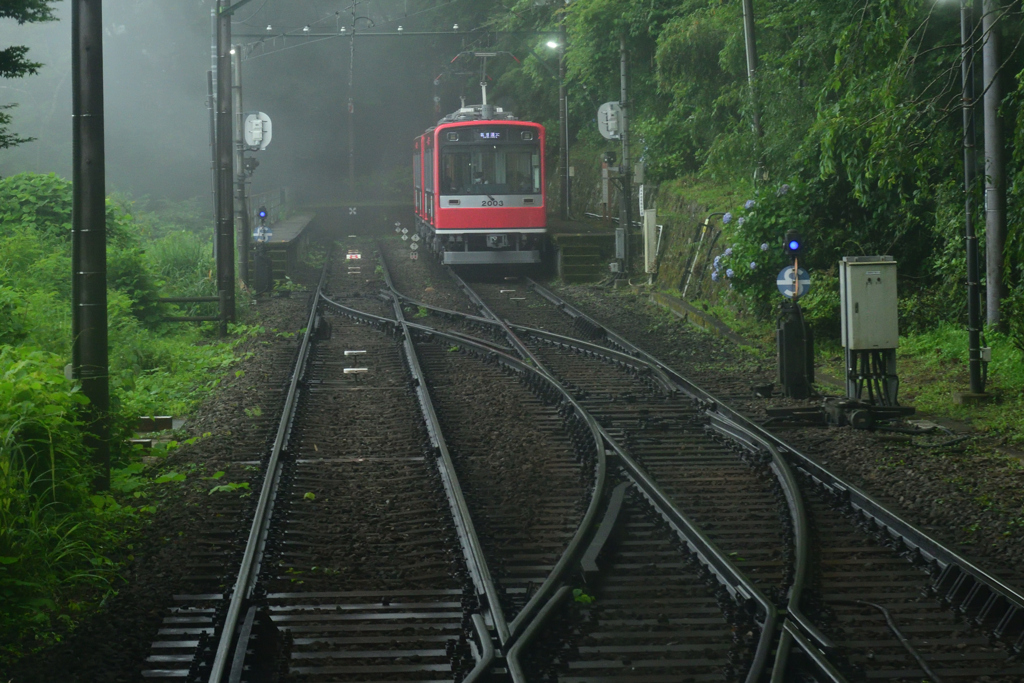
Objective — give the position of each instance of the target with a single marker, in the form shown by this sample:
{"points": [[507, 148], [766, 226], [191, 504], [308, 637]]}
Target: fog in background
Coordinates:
{"points": [[157, 54]]}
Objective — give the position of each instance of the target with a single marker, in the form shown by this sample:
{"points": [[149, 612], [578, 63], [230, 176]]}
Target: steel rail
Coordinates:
{"points": [[253, 555], [571, 342], [698, 543], [515, 668], [472, 551], [468, 538], [717, 562], [734, 581], [590, 517], [514, 339], [801, 543], [985, 599]]}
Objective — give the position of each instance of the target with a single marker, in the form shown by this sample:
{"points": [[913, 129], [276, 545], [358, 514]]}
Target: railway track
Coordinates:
{"points": [[362, 561], [886, 601], [457, 497]]}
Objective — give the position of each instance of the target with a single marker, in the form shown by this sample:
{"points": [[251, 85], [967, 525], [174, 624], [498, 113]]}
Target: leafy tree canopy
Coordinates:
{"points": [[14, 61]]}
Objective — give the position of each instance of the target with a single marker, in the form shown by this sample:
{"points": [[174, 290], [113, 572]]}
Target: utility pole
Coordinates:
{"points": [[89, 362], [352, 112], [225, 179], [750, 38], [751, 43], [626, 212], [563, 124], [995, 165], [241, 214], [973, 284], [212, 92]]}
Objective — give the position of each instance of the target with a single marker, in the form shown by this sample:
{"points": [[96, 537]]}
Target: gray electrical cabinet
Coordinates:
{"points": [[867, 293]]}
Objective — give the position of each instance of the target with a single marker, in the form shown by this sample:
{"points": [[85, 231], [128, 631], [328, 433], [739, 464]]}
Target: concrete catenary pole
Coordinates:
{"points": [[352, 113], [225, 175], [241, 214], [626, 216], [970, 159], [212, 87], [563, 125], [995, 165], [88, 225], [751, 44]]}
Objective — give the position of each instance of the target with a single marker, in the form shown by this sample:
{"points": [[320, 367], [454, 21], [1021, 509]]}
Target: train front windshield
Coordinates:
{"points": [[490, 169]]}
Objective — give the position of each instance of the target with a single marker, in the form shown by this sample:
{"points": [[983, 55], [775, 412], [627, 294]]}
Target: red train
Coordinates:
{"points": [[479, 182]]}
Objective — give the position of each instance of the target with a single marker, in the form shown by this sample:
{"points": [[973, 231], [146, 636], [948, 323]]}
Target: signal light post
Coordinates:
{"points": [[793, 334]]}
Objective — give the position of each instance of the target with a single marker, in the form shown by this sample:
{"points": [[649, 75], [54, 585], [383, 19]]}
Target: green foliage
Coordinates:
{"points": [[14, 61], [41, 203], [58, 541], [860, 109], [52, 536]]}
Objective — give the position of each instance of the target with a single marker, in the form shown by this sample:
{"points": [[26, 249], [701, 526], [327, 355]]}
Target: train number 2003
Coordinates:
{"points": [[492, 202]]}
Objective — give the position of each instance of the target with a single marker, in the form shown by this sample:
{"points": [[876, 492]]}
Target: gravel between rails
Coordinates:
{"points": [[425, 279], [967, 499], [654, 615], [525, 484], [364, 570]]}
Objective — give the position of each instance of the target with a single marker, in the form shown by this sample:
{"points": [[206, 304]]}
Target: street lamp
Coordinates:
{"points": [[563, 123]]}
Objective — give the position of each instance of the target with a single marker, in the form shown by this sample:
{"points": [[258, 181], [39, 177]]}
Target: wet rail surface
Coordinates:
{"points": [[888, 609], [361, 573], [881, 605], [644, 591], [371, 568], [360, 568]]}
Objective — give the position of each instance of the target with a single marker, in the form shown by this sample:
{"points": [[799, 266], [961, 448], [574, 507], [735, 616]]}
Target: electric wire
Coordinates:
{"points": [[904, 641]]}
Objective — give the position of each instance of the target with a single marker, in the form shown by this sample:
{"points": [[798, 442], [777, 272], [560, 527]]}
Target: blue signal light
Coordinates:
{"points": [[794, 246]]}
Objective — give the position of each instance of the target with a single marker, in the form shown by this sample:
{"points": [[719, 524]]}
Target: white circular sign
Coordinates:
{"points": [[787, 283], [608, 120]]}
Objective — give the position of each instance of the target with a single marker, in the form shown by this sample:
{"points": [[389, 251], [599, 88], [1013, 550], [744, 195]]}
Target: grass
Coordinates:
{"points": [[933, 367]]}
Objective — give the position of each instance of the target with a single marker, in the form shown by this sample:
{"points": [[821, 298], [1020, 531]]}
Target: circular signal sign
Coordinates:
{"points": [[788, 283]]}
